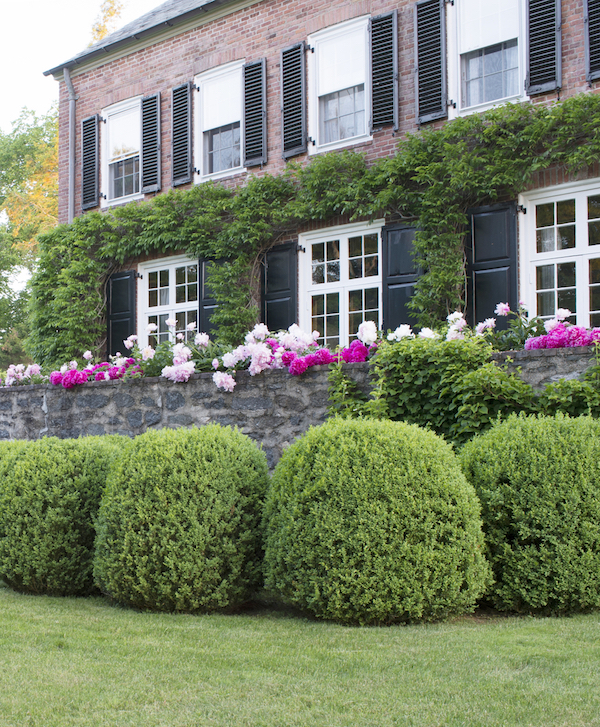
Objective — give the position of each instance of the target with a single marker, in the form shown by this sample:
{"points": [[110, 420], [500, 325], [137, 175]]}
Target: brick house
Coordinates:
{"points": [[199, 90]]}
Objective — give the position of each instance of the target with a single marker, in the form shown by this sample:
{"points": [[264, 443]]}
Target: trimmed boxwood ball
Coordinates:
{"points": [[373, 522], [179, 525], [538, 479], [49, 497]]}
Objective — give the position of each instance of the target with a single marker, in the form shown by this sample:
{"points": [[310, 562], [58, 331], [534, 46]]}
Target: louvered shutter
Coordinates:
{"points": [[255, 113], [294, 131], [544, 50], [492, 262], [181, 135], [384, 70], [150, 156], [89, 162], [279, 287], [399, 275], [430, 60], [592, 39], [120, 298]]}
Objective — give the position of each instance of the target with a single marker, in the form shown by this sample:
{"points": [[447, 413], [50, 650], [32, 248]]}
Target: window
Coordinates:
{"points": [[486, 53], [168, 290], [219, 120], [121, 169], [339, 85], [340, 281], [562, 248]]}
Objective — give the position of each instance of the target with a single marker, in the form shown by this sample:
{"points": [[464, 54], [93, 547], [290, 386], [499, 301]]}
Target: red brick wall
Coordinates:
{"points": [[262, 31]]}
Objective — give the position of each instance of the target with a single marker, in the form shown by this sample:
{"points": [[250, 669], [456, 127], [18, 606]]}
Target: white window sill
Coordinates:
{"points": [[121, 200], [342, 144], [519, 98], [199, 178]]}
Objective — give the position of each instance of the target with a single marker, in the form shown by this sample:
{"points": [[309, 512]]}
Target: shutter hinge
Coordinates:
{"points": [[521, 208], [102, 119], [138, 275], [449, 2], [311, 48], [103, 196], [299, 248], [195, 88], [451, 102], [196, 171], [312, 141]]}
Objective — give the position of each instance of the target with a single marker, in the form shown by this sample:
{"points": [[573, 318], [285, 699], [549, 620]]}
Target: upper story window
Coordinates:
{"points": [[561, 252], [219, 128], [122, 144], [491, 73], [339, 85]]}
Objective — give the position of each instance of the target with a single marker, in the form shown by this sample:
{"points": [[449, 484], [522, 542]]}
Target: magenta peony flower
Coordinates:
{"points": [[298, 366], [288, 357], [56, 378]]}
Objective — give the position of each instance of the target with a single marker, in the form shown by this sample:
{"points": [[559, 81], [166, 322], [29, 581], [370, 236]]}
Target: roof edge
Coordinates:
{"points": [[153, 30]]}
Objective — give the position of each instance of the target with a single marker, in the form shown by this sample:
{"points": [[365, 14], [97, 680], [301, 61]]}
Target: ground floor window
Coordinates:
{"points": [[340, 281], [560, 251], [168, 290]]}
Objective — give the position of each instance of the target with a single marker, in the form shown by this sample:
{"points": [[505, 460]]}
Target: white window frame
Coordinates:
{"points": [[454, 44], [316, 42], [580, 254], [307, 288], [223, 72], [108, 113], [143, 308]]}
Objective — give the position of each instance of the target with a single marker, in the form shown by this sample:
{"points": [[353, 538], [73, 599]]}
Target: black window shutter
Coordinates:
{"points": [[592, 39], [430, 60], [279, 287], [294, 133], [89, 162], [492, 262], [255, 113], [120, 300], [150, 157], [384, 70], [181, 135], [544, 51], [207, 302], [399, 274]]}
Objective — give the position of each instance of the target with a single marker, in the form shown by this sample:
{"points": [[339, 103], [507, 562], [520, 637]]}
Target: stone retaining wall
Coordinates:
{"points": [[272, 408]]}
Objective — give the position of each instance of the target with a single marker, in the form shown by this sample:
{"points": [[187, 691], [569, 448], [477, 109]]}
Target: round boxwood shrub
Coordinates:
{"points": [[179, 523], [373, 522], [49, 497], [538, 479]]}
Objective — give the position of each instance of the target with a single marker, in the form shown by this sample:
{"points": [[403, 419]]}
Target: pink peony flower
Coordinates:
{"points": [[179, 372], [202, 339], [288, 357], [224, 381], [56, 378], [298, 366], [502, 309], [88, 355]]}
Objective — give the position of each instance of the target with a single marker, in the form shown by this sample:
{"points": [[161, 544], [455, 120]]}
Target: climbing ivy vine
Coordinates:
{"points": [[435, 176]]}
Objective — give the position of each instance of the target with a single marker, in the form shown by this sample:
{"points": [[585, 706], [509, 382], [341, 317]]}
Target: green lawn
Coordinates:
{"points": [[82, 662]]}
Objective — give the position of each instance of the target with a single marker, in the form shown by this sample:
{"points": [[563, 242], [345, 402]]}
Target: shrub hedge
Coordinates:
{"points": [[538, 479], [49, 496], [373, 522], [179, 525]]}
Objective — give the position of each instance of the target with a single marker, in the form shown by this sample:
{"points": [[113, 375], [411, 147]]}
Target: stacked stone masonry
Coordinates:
{"points": [[272, 408]]}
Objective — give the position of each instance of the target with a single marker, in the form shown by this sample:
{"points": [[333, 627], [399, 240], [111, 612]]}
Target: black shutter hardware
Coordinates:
{"points": [[255, 114], [181, 135], [592, 39], [544, 53], [294, 132], [384, 70], [150, 156], [89, 162], [430, 50]]}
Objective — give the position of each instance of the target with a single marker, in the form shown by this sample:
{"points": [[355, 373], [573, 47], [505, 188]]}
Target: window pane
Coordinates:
{"points": [[371, 298], [222, 148], [593, 208], [568, 299], [333, 250], [565, 275], [152, 298], [594, 298], [164, 296], [192, 273], [192, 292], [545, 240], [594, 233], [355, 269], [342, 114], [566, 237], [180, 294], [318, 305], [333, 303], [371, 266], [544, 277], [490, 73], [544, 215], [371, 244], [318, 252], [595, 270], [355, 300], [565, 211], [164, 278], [545, 304], [355, 246], [179, 276], [153, 280]]}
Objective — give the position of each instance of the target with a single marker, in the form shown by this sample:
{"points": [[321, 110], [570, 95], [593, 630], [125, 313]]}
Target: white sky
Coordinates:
{"points": [[36, 35]]}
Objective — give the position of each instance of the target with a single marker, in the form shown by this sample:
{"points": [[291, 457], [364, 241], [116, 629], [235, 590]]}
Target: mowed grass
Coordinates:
{"points": [[79, 662]]}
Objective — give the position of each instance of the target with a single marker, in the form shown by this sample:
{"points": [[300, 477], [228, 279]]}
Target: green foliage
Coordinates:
{"points": [[49, 497], [346, 399], [179, 524], [420, 381], [372, 522], [435, 177], [538, 479]]}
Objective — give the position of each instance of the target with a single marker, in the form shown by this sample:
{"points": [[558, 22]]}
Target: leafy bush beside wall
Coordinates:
{"points": [[373, 522]]}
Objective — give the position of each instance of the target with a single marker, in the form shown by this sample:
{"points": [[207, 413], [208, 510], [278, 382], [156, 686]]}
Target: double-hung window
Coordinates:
{"points": [[561, 248], [339, 85], [219, 137], [168, 291], [340, 281], [122, 144]]}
